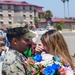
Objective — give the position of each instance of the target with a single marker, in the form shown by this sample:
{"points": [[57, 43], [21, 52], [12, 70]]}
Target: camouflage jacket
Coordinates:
{"points": [[13, 64]]}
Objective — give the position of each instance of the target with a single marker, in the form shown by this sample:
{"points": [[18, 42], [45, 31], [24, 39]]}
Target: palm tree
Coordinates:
{"points": [[68, 7], [47, 16], [64, 6]]}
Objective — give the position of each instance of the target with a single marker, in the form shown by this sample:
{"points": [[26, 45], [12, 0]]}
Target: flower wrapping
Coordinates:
{"points": [[47, 64]]}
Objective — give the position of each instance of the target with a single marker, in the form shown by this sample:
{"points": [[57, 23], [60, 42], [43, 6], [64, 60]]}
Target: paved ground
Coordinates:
{"points": [[70, 40]]}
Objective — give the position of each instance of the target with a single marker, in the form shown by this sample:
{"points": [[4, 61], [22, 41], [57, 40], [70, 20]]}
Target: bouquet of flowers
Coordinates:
{"points": [[46, 64]]}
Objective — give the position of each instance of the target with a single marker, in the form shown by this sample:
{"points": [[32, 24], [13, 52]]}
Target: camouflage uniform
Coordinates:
{"points": [[13, 63]]}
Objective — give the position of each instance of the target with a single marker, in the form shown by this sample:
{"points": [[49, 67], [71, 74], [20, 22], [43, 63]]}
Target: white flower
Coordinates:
{"points": [[45, 63], [46, 56], [69, 71]]}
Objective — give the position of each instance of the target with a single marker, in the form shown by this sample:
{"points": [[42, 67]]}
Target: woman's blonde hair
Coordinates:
{"points": [[56, 45]]}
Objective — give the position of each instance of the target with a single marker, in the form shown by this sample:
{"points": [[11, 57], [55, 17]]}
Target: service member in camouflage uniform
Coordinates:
{"points": [[19, 37]]}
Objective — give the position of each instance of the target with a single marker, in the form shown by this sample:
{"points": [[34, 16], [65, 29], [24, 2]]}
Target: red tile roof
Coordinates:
{"points": [[59, 20], [17, 3], [40, 11], [62, 19]]}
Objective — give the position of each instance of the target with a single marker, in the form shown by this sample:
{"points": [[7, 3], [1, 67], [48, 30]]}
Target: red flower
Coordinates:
{"points": [[62, 71]]}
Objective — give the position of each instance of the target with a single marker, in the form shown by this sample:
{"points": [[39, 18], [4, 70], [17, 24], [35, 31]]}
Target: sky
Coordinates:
{"points": [[55, 6]]}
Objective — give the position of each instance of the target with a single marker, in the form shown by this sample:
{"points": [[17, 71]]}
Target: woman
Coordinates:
{"points": [[33, 28], [3, 48], [54, 43]]}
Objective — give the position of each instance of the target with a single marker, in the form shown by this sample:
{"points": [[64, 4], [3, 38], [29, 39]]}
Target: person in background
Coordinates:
{"points": [[6, 39], [20, 38], [1, 32], [33, 28], [53, 42], [2, 43], [3, 48]]}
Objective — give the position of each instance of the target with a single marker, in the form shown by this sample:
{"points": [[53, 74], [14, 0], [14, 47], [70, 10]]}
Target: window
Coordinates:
{"points": [[9, 6], [31, 17], [30, 8], [31, 22], [34, 12], [16, 8], [23, 7], [24, 16], [9, 15], [10, 22], [39, 16], [0, 6], [1, 22], [1, 15]]}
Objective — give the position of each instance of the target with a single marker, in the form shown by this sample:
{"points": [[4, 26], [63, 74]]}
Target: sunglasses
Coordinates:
{"points": [[2, 44]]}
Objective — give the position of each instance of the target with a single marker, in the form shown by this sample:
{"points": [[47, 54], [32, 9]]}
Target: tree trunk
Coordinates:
{"points": [[64, 11], [68, 8]]}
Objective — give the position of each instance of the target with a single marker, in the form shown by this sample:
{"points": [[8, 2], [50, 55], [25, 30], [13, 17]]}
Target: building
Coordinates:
{"points": [[68, 24], [13, 11]]}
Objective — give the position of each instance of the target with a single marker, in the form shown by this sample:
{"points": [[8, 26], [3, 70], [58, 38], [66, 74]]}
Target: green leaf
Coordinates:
{"points": [[36, 66], [57, 73]]}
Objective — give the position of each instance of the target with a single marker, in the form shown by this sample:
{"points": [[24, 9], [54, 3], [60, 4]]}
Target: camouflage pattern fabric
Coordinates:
{"points": [[20, 29], [29, 35], [13, 64], [17, 29]]}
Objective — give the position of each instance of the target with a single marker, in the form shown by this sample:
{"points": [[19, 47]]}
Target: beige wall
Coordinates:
{"points": [[6, 18], [18, 15], [65, 26]]}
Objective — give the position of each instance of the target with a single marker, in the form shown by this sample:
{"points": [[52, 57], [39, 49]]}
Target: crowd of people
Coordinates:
{"points": [[19, 43]]}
